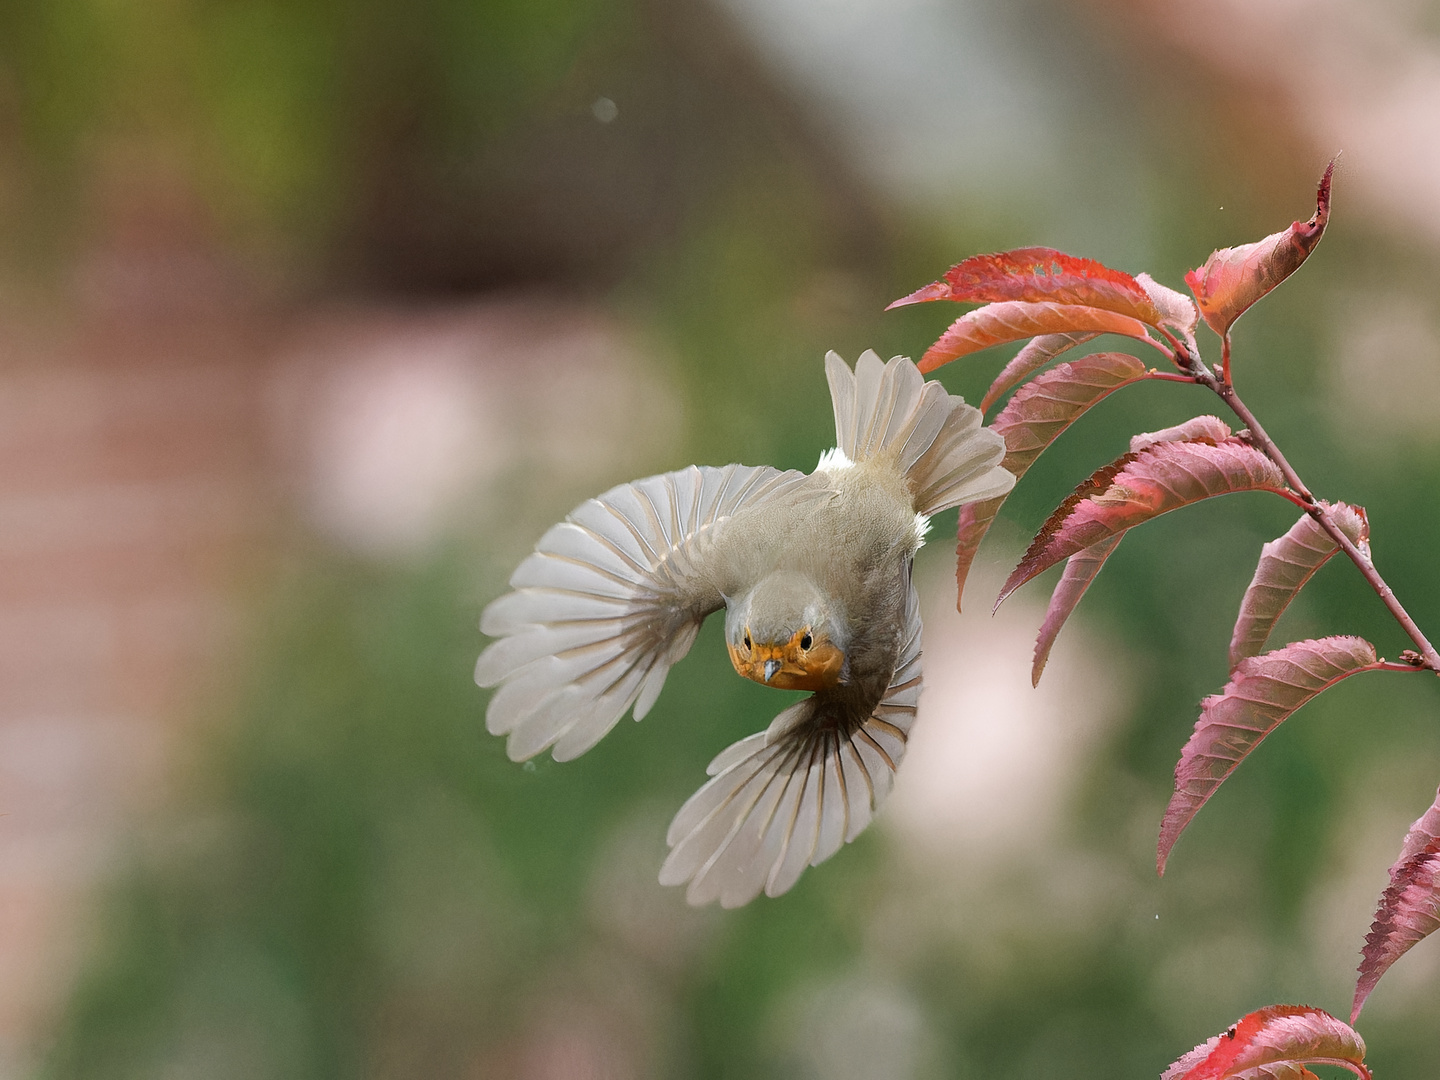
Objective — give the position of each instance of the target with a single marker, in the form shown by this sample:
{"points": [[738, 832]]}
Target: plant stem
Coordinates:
{"points": [[1262, 442]]}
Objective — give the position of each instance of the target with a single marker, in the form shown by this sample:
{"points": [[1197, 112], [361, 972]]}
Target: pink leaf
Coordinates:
{"points": [[1080, 571], [1286, 564], [1082, 567], [1032, 420], [1234, 278], [1036, 354], [975, 521], [1422, 834], [995, 324], [1262, 692], [1197, 429], [1275, 1043], [1036, 275], [1139, 487], [1409, 909], [1177, 310]]}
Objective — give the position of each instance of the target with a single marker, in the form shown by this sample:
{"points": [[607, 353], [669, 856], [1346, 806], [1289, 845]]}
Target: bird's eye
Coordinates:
{"points": [[807, 640], [747, 639]]}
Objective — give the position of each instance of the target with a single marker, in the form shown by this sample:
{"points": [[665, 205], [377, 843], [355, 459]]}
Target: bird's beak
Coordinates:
{"points": [[771, 667]]}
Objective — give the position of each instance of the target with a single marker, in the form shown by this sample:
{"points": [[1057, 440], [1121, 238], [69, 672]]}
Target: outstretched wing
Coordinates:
{"points": [[788, 797], [611, 597]]}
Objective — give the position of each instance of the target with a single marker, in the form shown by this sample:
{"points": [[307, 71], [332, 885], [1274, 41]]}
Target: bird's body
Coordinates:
{"points": [[814, 574]]}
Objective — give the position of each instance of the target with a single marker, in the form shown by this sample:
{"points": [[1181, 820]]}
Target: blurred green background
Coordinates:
{"points": [[347, 878]]}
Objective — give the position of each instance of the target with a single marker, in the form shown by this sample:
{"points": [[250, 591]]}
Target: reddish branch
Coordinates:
{"points": [[1317, 510]]}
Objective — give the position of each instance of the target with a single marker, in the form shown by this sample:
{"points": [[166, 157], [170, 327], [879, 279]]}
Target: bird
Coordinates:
{"points": [[814, 573]]}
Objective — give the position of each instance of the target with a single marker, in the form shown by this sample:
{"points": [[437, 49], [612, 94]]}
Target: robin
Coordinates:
{"points": [[814, 574]]}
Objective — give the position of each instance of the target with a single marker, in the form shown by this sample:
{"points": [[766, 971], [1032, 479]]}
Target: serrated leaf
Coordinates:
{"points": [[975, 521], [1281, 1070], [1425, 831], [1139, 487], [1082, 567], [1036, 354], [1286, 564], [995, 324], [1031, 421], [1232, 279], [1080, 571], [1275, 1043], [1197, 429], [1262, 692], [1038, 275], [1409, 909]]}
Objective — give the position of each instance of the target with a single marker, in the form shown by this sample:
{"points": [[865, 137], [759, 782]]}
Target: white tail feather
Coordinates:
{"points": [[938, 441]]}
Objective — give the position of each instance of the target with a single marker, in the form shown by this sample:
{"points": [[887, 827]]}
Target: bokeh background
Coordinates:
{"points": [[315, 314]]}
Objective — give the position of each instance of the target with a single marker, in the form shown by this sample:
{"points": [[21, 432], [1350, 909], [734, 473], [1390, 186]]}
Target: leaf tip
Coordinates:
{"points": [[1163, 847], [1322, 190], [1409, 909], [936, 290], [1014, 581]]}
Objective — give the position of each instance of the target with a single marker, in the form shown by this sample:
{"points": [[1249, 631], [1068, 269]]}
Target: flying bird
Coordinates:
{"points": [[814, 574]]}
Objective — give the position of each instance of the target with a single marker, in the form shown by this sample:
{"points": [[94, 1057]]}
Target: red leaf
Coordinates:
{"points": [[1032, 420], [1139, 487], [995, 324], [1082, 567], [1080, 571], [1040, 274], [1036, 354], [975, 521], [1262, 692], [1409, 909], [1275, 1043], [1286, 564], [1234, 278]]}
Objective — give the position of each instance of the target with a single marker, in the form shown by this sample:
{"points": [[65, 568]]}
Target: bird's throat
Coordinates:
{"points": [[788, 667]]}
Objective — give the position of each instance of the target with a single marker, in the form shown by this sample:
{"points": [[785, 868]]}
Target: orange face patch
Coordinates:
{"points": [[790, 666]]}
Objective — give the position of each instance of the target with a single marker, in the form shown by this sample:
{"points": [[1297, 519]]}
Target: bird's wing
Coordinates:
{"points": [[788, 797], [610, 598]]}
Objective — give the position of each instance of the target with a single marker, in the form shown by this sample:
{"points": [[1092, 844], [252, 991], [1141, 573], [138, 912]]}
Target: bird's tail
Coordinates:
{"points": [[937, 440]]}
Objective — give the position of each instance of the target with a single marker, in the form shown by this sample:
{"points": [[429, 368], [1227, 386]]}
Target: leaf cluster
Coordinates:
{"points": [[1059, 302]]}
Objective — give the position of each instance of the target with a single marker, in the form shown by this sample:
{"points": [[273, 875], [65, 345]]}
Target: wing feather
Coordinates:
{"points": [[515, 612], [799, 844], [833, 806], [608, 601], [789, 797]]}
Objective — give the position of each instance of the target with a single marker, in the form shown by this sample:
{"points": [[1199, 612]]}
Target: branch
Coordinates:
{"points": [[1307, 502]]}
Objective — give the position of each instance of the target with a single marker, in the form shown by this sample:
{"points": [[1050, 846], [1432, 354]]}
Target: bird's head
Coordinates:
{"points": [[785, 632]]}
